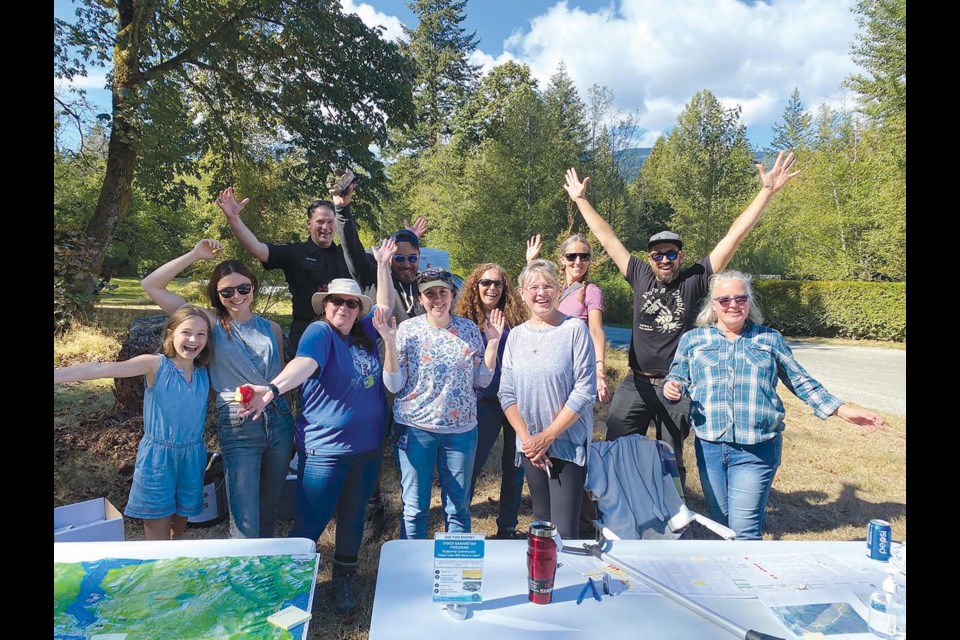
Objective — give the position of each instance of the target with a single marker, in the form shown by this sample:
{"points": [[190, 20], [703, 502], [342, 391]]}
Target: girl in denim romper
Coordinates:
{"points": [[248, 348], [168, 476]]}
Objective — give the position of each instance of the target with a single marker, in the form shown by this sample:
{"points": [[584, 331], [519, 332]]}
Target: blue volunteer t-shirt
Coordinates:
{"points": [[343, 405]]}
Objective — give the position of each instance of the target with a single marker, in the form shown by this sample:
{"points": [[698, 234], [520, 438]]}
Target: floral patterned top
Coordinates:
{"points": [[441, 368]]}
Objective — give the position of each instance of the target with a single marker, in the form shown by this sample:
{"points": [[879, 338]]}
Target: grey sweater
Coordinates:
{"points": [[543, 371]]}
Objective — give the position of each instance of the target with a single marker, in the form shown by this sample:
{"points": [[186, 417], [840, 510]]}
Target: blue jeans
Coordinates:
{"points": [[418, 452], [256, 456], [736, 480], [328, 483], [490, 422]]}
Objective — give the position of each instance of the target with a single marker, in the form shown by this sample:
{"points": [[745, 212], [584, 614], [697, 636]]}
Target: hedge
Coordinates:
{"points": [[859, 310]]}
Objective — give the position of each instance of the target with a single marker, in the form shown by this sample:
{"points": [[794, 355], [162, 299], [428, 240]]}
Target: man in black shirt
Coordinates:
{"points": [[666, 301], [307, 266]]}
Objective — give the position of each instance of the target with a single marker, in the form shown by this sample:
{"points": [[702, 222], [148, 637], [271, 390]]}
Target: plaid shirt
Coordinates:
{"points": [[733, 383]]}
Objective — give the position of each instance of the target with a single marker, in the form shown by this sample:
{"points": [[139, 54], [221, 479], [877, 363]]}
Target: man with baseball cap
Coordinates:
{"points": [[665, 303]]}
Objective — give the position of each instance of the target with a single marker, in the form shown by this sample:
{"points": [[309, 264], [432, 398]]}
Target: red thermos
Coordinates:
{"points": [[541, 561]]}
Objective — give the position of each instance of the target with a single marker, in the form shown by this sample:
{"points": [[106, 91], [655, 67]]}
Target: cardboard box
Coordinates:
{"points": [[95, 520]]}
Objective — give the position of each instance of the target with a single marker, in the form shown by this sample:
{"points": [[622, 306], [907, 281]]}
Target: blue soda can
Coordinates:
{"points": [[878, 540]]}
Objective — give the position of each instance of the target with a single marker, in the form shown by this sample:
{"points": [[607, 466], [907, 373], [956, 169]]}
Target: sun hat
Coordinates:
{"points": [[345, 287]]}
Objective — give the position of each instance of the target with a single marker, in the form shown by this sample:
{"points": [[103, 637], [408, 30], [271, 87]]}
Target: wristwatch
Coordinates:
{"points": [[275, 390]]}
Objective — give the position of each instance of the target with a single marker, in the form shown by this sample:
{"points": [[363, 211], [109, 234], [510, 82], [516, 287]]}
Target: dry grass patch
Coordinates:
{"points": [[84, 344]]}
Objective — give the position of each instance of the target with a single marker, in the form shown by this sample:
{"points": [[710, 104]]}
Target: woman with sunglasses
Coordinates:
{"points": [[488, 288], [343, 417], [730, 364], [433, 363], [580, 298], [548, 388], [246, 348]]}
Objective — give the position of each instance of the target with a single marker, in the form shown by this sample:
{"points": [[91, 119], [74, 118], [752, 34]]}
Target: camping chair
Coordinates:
{"points": [[636, 484]]}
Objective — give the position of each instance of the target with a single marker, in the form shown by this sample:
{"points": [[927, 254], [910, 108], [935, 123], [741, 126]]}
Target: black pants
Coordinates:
{"points": [[637, 403], [557, 499]]}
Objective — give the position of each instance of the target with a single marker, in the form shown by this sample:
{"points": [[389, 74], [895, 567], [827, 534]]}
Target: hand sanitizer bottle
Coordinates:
{"points": [[888, 611]]}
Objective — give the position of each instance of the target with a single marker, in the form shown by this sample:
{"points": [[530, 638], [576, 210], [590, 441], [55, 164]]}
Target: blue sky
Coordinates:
{"points": [[653, 54]]}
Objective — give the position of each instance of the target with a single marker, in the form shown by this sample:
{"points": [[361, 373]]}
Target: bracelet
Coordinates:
{"points": [[275, 390]]}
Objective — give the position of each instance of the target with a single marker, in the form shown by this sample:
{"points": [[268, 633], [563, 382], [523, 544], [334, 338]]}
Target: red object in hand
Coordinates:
{"points": [[244, 394]]}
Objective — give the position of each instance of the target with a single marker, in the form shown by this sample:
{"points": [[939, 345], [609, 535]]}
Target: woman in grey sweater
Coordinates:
{"points": [[547, 390]]}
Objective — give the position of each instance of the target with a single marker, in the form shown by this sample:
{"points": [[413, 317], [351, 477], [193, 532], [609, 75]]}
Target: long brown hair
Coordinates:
{"points": [[470, 306], [562, 263], [177, 318], [222, 270]]}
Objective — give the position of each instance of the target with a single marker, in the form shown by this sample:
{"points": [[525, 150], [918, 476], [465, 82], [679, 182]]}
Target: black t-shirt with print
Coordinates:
{"points": [[662, 313]]}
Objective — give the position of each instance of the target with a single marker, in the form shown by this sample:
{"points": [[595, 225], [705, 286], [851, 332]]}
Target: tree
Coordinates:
{"points": [[440, 49], [221, 76], [881, 49], [704, 171], [793, 134]]}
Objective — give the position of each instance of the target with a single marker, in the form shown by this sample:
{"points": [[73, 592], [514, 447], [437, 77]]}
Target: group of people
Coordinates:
{"points": [[438, 374]]}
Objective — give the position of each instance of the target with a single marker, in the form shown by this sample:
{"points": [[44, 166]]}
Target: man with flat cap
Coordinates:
{"points": [[666, 300]]}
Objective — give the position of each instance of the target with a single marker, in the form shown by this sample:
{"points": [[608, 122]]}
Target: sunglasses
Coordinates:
{"points": [[339, 302], [726, 301], [487, 282], [572, 257], [410, 258], [669, 255], [434, 274], [228, 292]]}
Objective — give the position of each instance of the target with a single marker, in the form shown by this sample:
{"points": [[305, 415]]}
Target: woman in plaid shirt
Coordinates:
{"points": [[730, 365]]}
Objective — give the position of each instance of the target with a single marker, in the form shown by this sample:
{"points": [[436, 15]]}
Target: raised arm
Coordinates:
{"points": [[419, 226], [231, 209], [361, 268], [143, 365], [577, 191], [386, 296], [772, 182], [155, 284], [533, 248], [386, 325]]}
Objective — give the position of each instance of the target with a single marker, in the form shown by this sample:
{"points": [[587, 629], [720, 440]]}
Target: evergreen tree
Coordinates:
{"points": [[881, 49], [793, 133]]}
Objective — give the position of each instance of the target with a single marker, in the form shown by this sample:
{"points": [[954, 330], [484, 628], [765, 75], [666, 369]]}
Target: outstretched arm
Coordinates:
{"points": [[577, 191], [155, 285], [231, 209], [143, 365], [772, 182], [291, 377]]}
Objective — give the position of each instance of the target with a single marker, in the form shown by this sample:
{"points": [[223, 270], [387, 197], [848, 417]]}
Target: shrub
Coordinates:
{"points": [[84, 344]]}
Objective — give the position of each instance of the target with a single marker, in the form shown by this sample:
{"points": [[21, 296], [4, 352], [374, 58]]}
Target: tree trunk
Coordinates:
{"points": [[144, 336], [122, 151]]}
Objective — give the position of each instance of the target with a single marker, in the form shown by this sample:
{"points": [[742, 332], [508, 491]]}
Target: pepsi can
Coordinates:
{"points": [[878, 540]]}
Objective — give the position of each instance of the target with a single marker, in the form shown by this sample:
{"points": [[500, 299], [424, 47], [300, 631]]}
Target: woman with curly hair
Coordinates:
{"points": [[487, 288]]}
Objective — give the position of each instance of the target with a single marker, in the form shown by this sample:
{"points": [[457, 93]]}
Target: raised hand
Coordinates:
{"points": [[575, 188], [419, 226], [345, 198], [229, 205], [385, 252], [533, 247], [780, 174], [494, 324], [385, 324], [207, 249]]}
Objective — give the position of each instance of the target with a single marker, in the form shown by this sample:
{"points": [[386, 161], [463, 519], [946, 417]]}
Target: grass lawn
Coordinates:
{"points": [[833, 478]]}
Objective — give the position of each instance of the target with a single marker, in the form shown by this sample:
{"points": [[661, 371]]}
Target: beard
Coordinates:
{"points": [[666, 279]]}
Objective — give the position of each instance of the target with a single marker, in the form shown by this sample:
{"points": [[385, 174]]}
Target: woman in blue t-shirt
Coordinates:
{"points": [[343, 417]]}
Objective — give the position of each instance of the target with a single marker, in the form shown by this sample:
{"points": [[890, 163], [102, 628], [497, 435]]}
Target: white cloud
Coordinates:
{"points": [[656, 54], [393, 29]]}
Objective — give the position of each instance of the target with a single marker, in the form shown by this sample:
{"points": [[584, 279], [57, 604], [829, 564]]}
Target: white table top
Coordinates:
{"points": [[403, 608]]}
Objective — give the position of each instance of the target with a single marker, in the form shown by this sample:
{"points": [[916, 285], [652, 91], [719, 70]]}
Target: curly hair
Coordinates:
{"points": [[708, 316], [470, 306], [562, 263]]}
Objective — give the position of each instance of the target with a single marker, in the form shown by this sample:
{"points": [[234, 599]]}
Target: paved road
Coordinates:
{"points": [[871, 377]]}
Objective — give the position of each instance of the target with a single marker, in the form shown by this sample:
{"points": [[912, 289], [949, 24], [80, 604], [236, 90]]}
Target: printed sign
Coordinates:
{"points": [[458, 567]]}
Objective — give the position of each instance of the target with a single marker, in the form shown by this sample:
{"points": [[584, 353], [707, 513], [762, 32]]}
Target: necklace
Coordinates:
{"points": [[543, 335]]}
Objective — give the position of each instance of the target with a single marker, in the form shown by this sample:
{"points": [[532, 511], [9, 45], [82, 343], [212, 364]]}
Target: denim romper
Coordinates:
{"points": [[171, 457]]}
